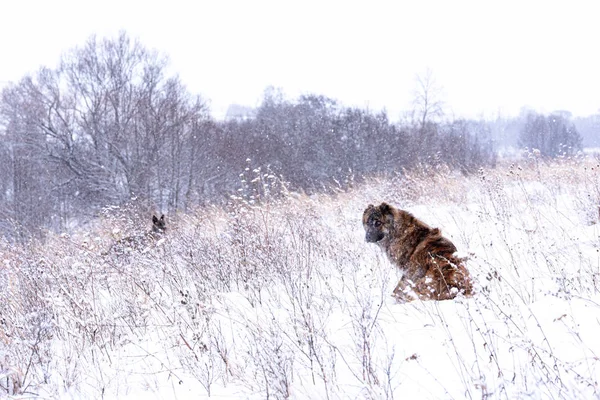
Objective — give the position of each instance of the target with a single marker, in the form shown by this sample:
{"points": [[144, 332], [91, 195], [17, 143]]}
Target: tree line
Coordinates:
{"points": [[109, 124]]}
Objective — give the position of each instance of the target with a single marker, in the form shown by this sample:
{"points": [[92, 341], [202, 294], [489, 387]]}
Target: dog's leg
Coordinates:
{"points": [[404, 291]]}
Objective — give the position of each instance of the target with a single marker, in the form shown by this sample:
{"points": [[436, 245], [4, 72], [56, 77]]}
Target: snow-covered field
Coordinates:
{"points": [[283, 298]]}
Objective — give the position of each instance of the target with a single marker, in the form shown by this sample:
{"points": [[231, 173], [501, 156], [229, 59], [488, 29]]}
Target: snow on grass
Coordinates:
{"points": [[283, 298]]}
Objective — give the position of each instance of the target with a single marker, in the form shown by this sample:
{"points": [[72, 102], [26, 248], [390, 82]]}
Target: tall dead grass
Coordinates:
{"points": [[280, 297]]}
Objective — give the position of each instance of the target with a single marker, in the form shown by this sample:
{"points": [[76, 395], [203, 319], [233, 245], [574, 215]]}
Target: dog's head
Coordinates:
{"points": [[158, 224], [377, 222]]}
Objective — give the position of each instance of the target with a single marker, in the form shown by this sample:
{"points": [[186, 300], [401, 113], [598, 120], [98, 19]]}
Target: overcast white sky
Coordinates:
{"points": [[489, 56]]}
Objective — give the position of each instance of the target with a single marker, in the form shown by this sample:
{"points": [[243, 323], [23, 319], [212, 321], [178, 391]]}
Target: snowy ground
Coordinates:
{"points": [[285, 299]]}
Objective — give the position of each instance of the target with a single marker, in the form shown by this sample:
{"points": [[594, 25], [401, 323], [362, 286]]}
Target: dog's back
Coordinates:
{"points": [[435, 272]]}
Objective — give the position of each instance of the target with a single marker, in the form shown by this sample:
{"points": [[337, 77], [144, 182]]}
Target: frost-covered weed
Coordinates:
{"points": [[277, 295]]}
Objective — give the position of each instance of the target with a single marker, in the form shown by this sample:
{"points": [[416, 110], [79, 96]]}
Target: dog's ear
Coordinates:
{"points": [[387, 211], [162, 217], [154, 219], [385, 208]]}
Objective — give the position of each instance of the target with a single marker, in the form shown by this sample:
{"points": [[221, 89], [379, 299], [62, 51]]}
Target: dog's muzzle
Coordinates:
{"points": [[373, 237]]}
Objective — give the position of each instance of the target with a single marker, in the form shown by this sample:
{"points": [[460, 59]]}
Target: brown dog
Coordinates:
{"points": [[431, 270]]}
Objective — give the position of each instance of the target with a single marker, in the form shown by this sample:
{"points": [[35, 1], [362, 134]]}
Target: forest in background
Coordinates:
{"points": [[109, 124]]}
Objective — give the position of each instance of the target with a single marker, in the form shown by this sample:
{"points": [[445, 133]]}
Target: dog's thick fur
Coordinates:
{"points": [[431, 270]]}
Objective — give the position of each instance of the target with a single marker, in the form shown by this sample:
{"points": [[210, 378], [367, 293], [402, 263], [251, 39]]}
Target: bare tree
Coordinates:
{"points": [[427, 101], [104, 126]]}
